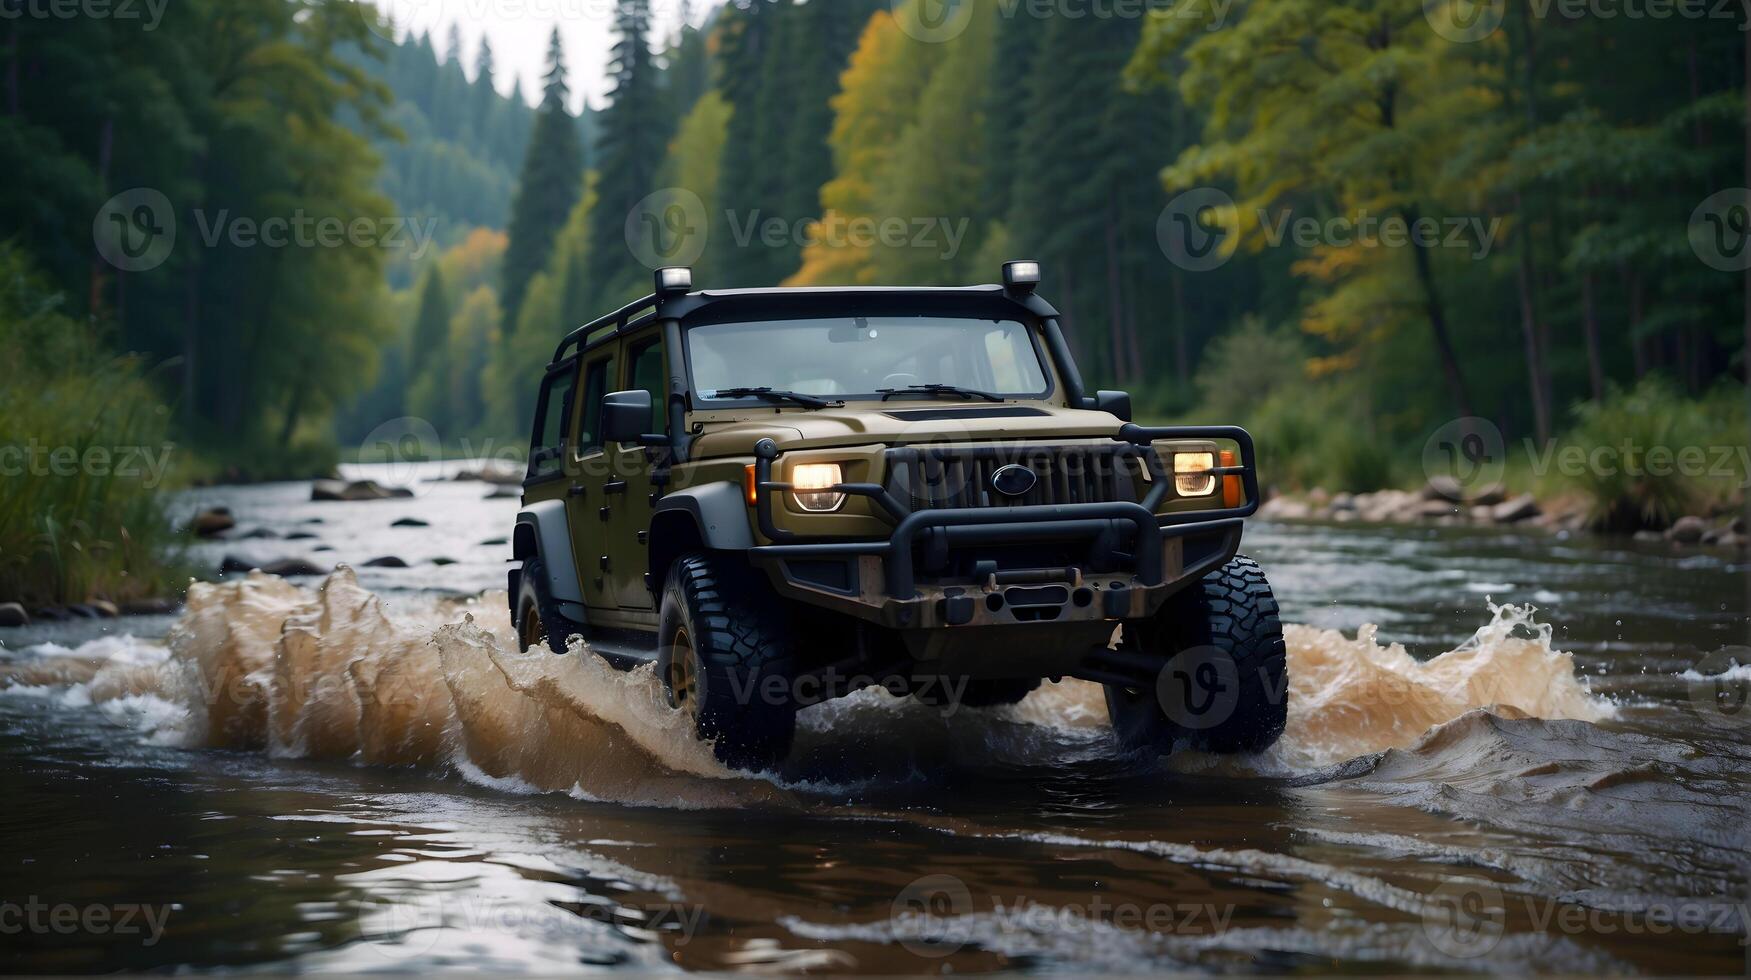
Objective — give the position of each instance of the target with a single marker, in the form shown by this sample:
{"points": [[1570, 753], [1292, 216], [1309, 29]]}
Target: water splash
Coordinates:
{"points": [[264, 665]]}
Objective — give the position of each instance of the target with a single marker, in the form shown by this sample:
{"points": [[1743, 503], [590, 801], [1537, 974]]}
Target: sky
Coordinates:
{"points": [[519, 30]]}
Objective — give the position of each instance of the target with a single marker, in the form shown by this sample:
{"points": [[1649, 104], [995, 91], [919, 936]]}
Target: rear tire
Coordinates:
{"points": [[725, 656], [1223, 685], [538, 619]]}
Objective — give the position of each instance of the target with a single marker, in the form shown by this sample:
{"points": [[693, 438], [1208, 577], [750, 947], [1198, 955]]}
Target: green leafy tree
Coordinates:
{"points": [[548, 187]]}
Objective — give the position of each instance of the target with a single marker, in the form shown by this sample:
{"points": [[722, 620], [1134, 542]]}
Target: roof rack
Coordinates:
{"points": [[632, 315]]}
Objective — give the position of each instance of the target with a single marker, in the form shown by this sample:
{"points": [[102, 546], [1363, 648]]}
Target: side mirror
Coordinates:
{"points": [[625, 416], [1116, 403]]}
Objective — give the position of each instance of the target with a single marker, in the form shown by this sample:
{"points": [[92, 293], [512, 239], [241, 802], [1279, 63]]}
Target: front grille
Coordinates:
{"points": [[932, 478]]}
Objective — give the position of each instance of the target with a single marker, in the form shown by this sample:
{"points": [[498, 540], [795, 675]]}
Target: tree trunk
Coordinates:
{"points": [[1638, 343], [1529, 332], [1437, 313], [1590, 327], [1115, 305], [1181, 355]]}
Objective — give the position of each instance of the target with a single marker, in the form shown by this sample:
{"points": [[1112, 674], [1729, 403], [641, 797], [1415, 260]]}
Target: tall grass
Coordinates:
{"points": [[80, 513], [1642, 436]]}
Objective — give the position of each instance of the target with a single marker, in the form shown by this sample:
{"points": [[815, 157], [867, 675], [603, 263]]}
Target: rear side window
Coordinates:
{"points": [[598, 379], [547, 451]]}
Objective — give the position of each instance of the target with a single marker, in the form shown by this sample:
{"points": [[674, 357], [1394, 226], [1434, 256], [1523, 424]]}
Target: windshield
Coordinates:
{"points": [[847, 356]]}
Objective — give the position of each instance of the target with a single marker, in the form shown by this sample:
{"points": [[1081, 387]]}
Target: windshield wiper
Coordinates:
{"points": [[774, 395], [953, 391]]}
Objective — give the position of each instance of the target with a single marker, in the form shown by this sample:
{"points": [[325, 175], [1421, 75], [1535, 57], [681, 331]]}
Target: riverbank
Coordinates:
{"points": [[1445, 506]]}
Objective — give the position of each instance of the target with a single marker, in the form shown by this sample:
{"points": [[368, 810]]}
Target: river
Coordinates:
{"points": [[357, 776]]}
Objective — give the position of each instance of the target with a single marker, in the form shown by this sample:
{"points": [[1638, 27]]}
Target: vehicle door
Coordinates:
{"points": [[629, 530], [590, 468]]}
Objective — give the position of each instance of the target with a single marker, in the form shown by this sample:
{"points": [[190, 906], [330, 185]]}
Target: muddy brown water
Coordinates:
{"points": [[354, 775]]}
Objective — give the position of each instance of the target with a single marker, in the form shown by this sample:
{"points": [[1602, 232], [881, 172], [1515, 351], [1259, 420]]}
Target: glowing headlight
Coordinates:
{"points": [[1192, 476], [809, 479]]}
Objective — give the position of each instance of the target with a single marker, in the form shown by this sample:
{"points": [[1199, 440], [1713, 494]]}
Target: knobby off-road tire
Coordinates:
{"points": [[1223, 685], [538, 618], [726, 657]]}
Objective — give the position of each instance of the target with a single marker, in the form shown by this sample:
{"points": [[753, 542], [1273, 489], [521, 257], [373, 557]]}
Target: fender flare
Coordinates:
{"points": [[542, 531], [713, 517]]}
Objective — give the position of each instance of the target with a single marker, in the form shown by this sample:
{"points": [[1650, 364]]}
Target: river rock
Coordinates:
{"points": [[410, 522], [300, 536], [150, 607], [13, 614], [388, 562], [494, 543], [1285, 509], [358, 490], [1687, 530], [231, 565], [260, 533], [212, 522], [293, 568], [1522, 508], [104, 608], [443, 562]]}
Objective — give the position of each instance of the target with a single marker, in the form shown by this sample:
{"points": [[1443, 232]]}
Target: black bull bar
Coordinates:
{"points": [[1146, 529]]}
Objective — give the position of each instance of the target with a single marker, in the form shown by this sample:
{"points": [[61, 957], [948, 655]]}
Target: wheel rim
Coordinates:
{"points": [[683, 680], [529, 631]]}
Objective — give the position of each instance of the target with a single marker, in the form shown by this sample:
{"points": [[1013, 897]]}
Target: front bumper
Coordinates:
{"points": [[1138, 557]]}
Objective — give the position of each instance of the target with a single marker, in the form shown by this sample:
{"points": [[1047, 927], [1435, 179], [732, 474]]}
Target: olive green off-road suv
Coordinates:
{"points": [[782, 496]]}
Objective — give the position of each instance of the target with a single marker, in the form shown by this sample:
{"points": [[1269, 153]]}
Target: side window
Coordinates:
{"points": [[598, 384], [547, 449], [647, 375]]}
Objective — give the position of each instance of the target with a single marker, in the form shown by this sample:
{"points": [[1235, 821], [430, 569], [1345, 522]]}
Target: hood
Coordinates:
{"points": [[900, 422]]}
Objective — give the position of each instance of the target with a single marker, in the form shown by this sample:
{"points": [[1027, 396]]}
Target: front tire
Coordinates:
{"points": [[1223, 684], [725, 655]]}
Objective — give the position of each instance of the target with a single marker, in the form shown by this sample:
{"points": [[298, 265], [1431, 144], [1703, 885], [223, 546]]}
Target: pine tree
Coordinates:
{"points": [[548, 188], [428, 356], [633, 136]]}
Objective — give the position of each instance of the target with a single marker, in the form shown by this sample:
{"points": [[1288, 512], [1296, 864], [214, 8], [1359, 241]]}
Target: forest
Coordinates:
{"points": [[1341, 222]]}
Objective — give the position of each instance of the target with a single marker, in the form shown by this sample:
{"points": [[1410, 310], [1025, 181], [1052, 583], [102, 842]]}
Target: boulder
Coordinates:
{"points": [[260, 533], [358, 490], [231, 565], [388, 562], [83, 611], [1285, 509], [410, 522], [104, 608], [1648, 537], [1738, 526], [443, 562], [1687, 530], [490, 474], [1343, 502], [13, 614], [494, 543], [293, 568], [212, 522], [1522, 508], [50, 614], [150, 607], [1450, 489], [505, 493], [300, 536]]}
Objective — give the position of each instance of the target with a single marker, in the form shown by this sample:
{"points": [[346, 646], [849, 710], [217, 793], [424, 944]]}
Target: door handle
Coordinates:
{"points": [[618, 486], [578, 491]]}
